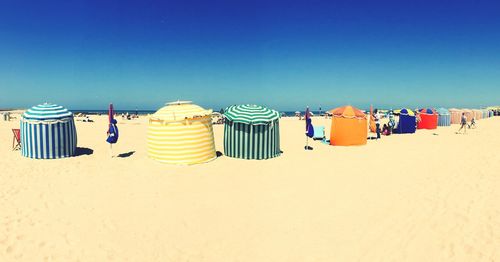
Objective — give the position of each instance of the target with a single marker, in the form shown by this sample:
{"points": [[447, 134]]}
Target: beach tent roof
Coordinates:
{"points": [[47, 111], [251, 114], [180, 110], [348, 112], [404, 111], [442, 111], [428, 111]]}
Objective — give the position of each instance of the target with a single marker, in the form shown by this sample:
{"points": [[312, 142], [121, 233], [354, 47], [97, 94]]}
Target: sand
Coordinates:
{"points": [[432, 196]]}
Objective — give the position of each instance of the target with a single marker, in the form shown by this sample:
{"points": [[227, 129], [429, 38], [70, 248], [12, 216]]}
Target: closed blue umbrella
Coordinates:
{"points": [[309, 128], [112, 129], [112, 132]]}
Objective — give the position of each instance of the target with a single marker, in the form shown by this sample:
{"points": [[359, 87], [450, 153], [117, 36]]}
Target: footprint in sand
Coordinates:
{"points": [[10, 249]]}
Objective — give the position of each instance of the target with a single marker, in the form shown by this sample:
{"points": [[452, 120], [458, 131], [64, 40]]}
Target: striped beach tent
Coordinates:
{"points": [[478, 114], [444, 117], [486, 113], [251, 132], [47, 132], [469, 114], [456, 115], [181, 133]]}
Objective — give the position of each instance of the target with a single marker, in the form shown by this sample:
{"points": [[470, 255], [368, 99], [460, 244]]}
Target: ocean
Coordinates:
{"points": [[105, 112], [146, 112]]}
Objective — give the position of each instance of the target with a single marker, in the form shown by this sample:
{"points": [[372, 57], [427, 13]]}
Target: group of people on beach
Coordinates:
{"points": [[464, 125], [129, 116], [387, 128]]}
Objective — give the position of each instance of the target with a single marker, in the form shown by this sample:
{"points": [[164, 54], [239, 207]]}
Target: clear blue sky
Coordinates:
{"points": [[284, 54]]}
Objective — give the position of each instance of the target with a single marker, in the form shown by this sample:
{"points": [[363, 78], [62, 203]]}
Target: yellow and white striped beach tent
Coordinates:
{"points": [[181, 133]]}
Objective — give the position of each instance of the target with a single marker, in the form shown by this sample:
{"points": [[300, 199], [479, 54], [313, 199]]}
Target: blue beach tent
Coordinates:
{"points": [[407, 122], [444, 117], [47, 132]]}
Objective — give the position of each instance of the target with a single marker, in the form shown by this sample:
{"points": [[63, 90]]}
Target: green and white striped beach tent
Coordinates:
{"points": [[251, 132]]}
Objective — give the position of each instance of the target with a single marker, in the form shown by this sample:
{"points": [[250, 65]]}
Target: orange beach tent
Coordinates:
{"points": [[349, 126]]}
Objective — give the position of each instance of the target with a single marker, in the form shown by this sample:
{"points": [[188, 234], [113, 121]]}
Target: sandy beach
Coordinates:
{"points": [[431, 196]]}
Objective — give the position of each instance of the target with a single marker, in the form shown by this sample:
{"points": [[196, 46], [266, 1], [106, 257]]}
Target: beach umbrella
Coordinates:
{"points": [[111, 113], [112, 129], [309, 128]]}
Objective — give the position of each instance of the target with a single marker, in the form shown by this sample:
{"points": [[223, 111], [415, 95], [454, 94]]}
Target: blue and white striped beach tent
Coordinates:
{"points": [[486, 113], [48, 131], [444, 117]]}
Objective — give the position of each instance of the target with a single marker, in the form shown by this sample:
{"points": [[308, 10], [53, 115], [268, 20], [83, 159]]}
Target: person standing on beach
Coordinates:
{"points": [[417, 118], [472, 122], [463, 123], [376, 116], [392, 122]]}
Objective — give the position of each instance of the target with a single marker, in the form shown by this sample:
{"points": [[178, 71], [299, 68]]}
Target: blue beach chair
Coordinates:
{"points": [[319, 133]]}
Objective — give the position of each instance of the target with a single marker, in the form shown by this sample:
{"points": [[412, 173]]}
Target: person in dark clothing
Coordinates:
{"points": [[463, 124], [376, 117], [386, 130]]}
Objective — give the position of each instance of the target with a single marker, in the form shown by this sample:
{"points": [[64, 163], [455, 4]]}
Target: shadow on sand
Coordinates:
{"points": [[80, 151], [123, 155]]}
